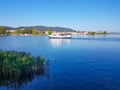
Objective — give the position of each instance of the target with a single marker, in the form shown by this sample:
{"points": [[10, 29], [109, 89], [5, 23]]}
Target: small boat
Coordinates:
{"points": [[60, 36]]}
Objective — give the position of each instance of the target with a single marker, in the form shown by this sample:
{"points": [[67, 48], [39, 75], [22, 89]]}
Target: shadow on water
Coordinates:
{"points": [[19, 68]]}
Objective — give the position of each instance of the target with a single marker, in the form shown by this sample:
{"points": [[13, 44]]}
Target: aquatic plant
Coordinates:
{"points": [[19, 68]]}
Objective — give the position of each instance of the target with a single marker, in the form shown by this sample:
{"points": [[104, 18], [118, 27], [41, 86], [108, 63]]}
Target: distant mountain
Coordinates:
{"points": [[43, 28]]}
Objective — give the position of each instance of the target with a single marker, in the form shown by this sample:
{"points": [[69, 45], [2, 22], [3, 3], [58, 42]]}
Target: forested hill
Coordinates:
{"points": [[43, 28]]}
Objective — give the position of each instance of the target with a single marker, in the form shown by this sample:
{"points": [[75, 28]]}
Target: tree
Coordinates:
{"points": [[49, 32], [93, 33], [35, 32], [3, 30], [104, 32], [27, 31], [17, 32]]}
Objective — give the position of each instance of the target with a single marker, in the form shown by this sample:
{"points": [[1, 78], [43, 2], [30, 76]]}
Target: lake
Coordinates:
{"points": [[80, 63]]}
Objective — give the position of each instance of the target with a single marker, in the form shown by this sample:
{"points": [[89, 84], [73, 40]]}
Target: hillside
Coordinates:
{"points": [[43, 28]]}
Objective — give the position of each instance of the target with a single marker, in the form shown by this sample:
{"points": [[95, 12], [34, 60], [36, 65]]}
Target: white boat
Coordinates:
{"points": [[60, 36]]}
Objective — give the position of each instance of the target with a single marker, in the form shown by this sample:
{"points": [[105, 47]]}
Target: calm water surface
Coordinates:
{"points": [[81, 63]]}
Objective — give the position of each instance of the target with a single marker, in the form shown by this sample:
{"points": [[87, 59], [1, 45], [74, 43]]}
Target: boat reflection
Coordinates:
{"points": [[58, 42]]}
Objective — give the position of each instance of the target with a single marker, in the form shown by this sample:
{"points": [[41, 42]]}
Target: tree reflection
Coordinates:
{"points": [[19, 68]]}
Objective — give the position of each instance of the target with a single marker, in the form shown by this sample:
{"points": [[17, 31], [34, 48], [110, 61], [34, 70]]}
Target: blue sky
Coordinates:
{"points": [[88, 15]]}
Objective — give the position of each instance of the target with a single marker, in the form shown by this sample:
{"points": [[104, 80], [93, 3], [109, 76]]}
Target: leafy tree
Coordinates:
{"points": [[17, 32], [104, 32], [3, 30], [50, 32], [35, 32], [27, 31], [93, 33]]}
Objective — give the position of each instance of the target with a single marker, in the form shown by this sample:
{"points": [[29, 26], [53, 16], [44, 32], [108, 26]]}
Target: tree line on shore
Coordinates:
{"points": [[5, 31], [92, 32], [98, 33]]}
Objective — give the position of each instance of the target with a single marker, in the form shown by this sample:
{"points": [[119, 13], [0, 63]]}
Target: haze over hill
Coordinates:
{"points": [[44, 28]]}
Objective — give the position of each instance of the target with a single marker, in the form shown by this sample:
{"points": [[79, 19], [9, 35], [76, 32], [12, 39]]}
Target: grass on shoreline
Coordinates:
{"points": [[19, 68]]}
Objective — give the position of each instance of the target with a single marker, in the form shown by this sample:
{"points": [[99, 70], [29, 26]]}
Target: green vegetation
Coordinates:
{"points": [[98, 33], [24, 31], [3, 30], [35, 32], [104, 32], [19, 68], [93, 33], [28, 31], [50, 32]]}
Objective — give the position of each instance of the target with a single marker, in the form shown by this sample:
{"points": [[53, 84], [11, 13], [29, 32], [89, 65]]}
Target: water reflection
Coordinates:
{"points": [[19, 68], [58, 42], [16, 82]]}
